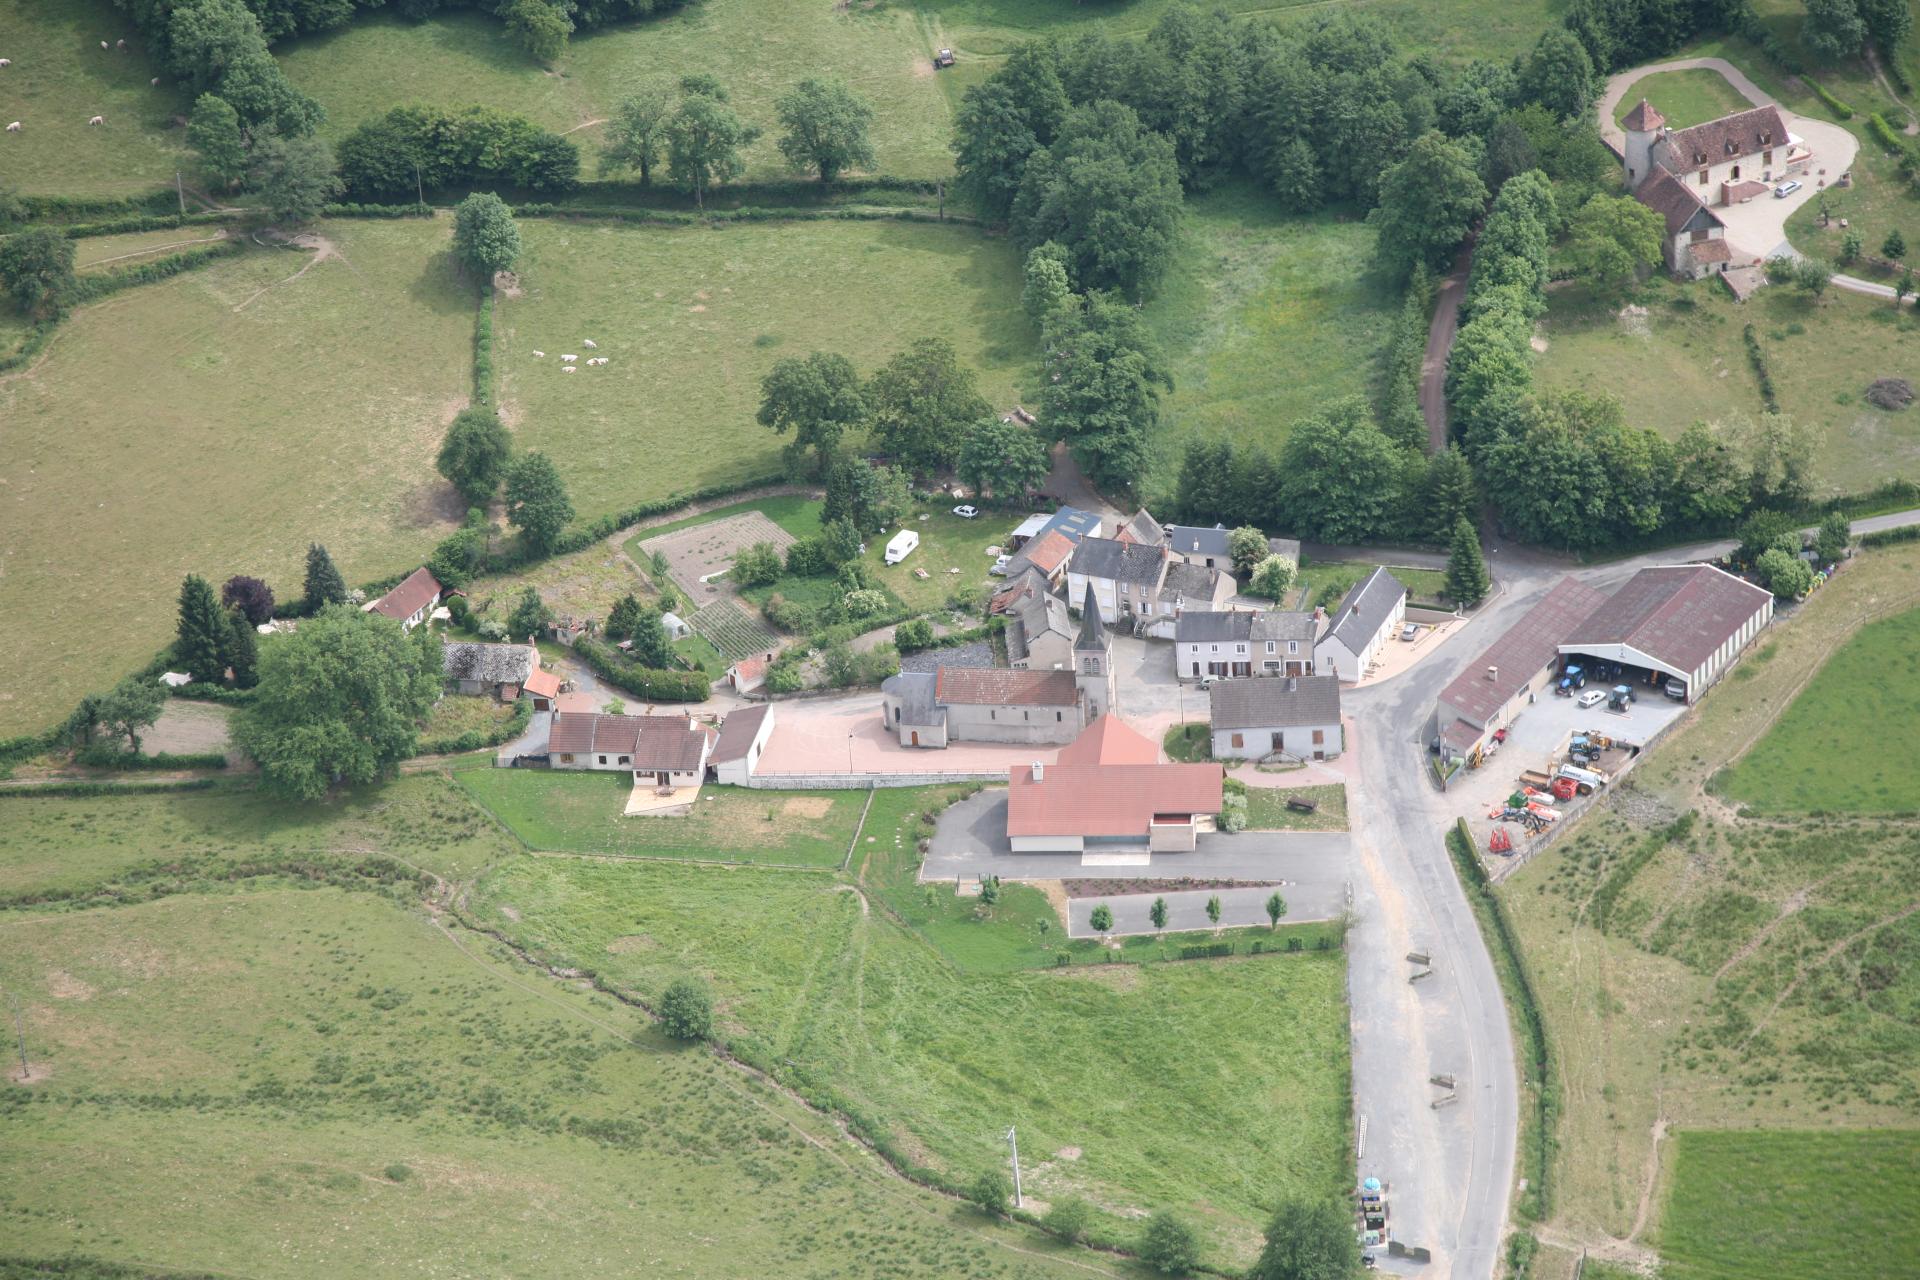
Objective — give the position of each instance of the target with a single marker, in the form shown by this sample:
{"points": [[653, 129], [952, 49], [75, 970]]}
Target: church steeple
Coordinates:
{"points": [[1093, 636], [1092, 664]]}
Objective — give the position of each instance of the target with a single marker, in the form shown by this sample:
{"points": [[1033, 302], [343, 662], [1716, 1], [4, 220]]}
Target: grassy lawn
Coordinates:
{"points": [[1822, 754], [201, 425], [693, 319], [856, 1005], [1188, 743], [1249, 282], [1691, 365], [234, 1076], [59, 78], [114, 253], [1685, 98], [1324, 583], [947, 542], [1816, 1206], [581, 813], [1267, 808]]}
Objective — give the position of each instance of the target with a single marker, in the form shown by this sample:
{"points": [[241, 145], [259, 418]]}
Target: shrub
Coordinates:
{"points": [[1885, 134], [398, 1173], [1169, 1245], [913, 635], [686, 1010], [1233, 813], [1069, 1219], [1834, 104], [990, 1192], [412, 147]]}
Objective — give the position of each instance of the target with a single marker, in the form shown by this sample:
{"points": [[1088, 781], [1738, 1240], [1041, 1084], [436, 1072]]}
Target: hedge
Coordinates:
{"points": [[1891, 65], [1758, 358], [93, 288], [483, 351], [105, 756], [643, 682], [30, 346], [1885, 133], [354, 209], [1615, 882], [50, 208], [116, 788], [475, 739], [1834, 104], [1536, 1060], [141, 222], [1889, 537], [201, 691], [718, 217]]}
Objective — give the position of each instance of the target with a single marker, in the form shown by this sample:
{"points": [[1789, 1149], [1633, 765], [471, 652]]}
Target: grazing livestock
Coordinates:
{"points": [[103, 44], [121, 43], [155, 82], [6, 62], [568, 359], [14, 127], [539, 355], [98, 120], [567, 368], [589, 344]]}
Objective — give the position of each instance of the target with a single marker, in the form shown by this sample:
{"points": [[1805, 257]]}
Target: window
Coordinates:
{"points": [[1736, 171], [1239, 740], [567, 758], [1058, 716], [992, 714], [1239, 648], [896, 715], [1273, 666], [603, 759], [626, 759], [1766, 157], [1699, 235], [1319, 737], [1703, 177], [1026, 715], [1269, 646], [1213, 648], [1293, 646]]}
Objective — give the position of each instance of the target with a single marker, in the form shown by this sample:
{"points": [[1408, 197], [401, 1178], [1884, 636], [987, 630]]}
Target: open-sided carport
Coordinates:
{"points": [[1685, 621]]}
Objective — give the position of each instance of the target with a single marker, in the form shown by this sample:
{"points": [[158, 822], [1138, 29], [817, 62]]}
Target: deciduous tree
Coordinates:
{"points": [[824, 127], [249, 595], [1308, 1240], [537, 502], [37, 268], [294, 177], [1101, 919], [686, 1009], [1158, 913], [920, 400], [1103, 391], [637, 133], [757, 565], [818, 398], [1610, 239], [1276, 907], [1248, 547], [1427, 203], [990, 1192], [339, 701], [1834, 537], [1786, 574], [1270, 579], [1833, 29], [213, 130], [1338, 475], [530, 615], [474, 453], [1213, 910], [1558, 74], [705, 138], [1005, 459], [1169, 1245], [485, 239]]}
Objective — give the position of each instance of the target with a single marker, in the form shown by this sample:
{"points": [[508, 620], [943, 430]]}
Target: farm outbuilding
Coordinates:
{"points": [[1514, 669], [743, 736], [1685, 621]]}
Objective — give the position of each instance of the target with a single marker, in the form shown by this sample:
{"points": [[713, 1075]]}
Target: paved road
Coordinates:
{"points": [[1618, 85]]}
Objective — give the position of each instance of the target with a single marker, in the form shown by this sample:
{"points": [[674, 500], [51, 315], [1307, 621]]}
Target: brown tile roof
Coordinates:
{"points": [[1740, 191], [670, 743], [1520, 653], [749, 673], [1677, 614], [407, 599], [1048, 551], [1107, 799], [738, 731], [1643, 118], [649, 742], [581, 733], [1673, 200], [993, 687], [1109, 740], [1740, 134], [1710, 251]]}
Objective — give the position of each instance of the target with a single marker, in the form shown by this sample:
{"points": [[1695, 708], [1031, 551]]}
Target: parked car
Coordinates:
{"points": [[1590, 699], [1677, 690], [1785, 189], [1000, 564], [1208, 681], [1409, 631], [966, 511]]}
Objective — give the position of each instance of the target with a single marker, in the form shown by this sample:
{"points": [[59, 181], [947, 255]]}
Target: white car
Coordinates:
{"points": [[1785, 189], [1590, 699], [966, 512]]}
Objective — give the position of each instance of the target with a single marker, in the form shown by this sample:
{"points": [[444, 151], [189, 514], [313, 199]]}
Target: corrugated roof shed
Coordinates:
{"points": [[1520, 653]]}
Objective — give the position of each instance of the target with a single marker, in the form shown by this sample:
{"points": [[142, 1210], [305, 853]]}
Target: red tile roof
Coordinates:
{"points": [[1109, 740], [1048, 551], [1520, 653], [1677, 614], [409, 597], [1711, 251], [545, 684], [992, 687], [749, 673], [1108, 799], [1740, 134], [1643, 118]]}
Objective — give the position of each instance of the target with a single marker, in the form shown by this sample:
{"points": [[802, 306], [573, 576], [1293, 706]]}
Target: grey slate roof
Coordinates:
{"points": [[1206, 626], [1093, 636], [1284, 625], [1191, 540], [1032, 618], [1366, 609], [1074, 523], [1190, 581], [915, 691], [487, 663], [1275, 702], [1117, 561], [1142, 527]]}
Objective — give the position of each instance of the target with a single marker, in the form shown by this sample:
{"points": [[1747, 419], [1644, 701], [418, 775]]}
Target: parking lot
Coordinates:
{"points": [[1537, 739]]}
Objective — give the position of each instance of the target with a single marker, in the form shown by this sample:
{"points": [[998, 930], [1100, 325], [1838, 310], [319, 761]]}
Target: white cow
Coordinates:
{"points": [[14, 127], [98, 120], [6, 62], [568, 359], [539, 355], [121, 43], [589, 344], [103, 44], [567, 368]]}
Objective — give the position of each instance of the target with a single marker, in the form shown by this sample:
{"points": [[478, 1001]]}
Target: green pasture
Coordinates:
{"points": [[1684, 98], [1267, 808], [691, 320], [117, 253], [581, 813], [1815, 1205], [1247, 284], [1826, 751], [1690, 364], [1235, 1082], [216, 423], [279, 1082]]}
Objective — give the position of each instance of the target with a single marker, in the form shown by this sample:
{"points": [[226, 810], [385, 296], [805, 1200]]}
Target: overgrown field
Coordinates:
{"points": [[1826, 753], [1235, 1086], [1707, 972], [216, 423], [1688, 362], [258, 1078], [691, 320], [1247, 283], [1815, 1206]]}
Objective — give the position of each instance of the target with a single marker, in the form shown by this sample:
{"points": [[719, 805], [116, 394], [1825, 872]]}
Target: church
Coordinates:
{"points": [[1685, 174]]}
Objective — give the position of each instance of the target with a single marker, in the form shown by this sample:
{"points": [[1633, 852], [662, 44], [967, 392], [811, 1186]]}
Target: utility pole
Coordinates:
{"points": [[1013, 1158], [419, 192]]}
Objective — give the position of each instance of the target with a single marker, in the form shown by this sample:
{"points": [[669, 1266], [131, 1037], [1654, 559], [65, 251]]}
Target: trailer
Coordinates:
{"points": [[902, 545]]}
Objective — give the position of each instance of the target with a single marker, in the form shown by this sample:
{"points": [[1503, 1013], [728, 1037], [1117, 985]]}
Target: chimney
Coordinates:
{"points": [[1493, 673], [1039, 772]]}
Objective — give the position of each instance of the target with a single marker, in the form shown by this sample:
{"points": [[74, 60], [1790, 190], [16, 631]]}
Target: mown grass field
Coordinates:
{"points": [[581, 813], [1267, 808], [1690, 364], [1685, 98], [60, 78], [1248, 282], [1235, 1087], [1824, 753], [252, 1077], [215, 423], [1324, 583], [114, 253], [691, 320], [1732, 975], [1816, 1206]]}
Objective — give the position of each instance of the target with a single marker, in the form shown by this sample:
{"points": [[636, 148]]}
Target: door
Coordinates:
{"points": [[916, 737], [660, 779]]}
